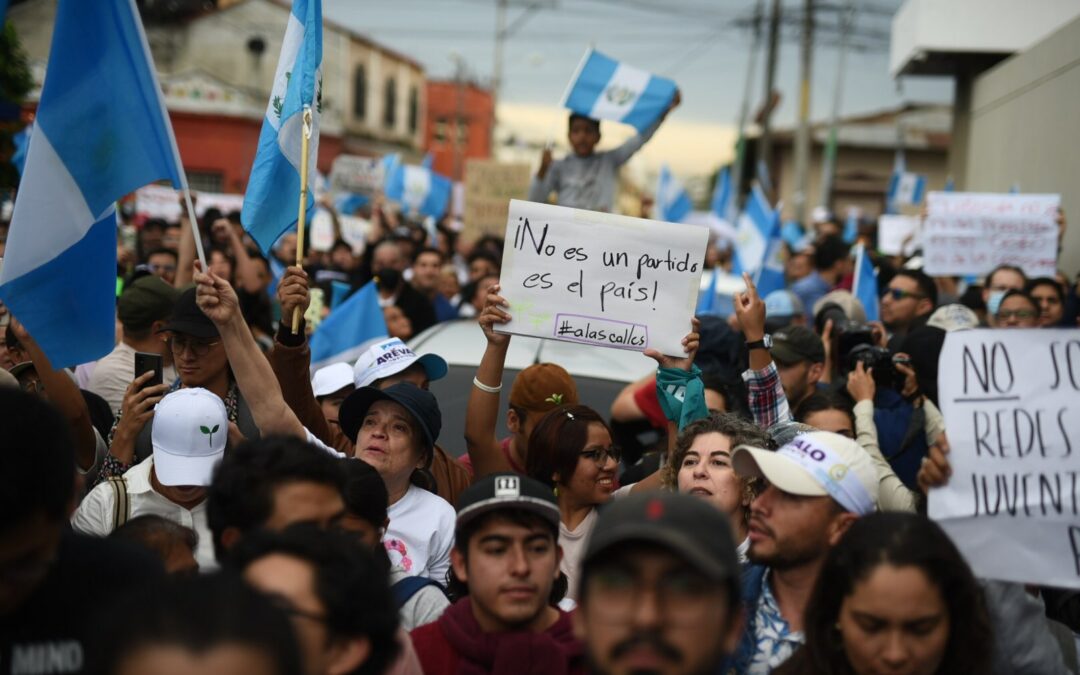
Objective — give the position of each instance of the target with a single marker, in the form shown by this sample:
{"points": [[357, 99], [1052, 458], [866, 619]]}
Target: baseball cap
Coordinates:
{"points": [[816, 464], [688, 527], [851, 306], [189, 433], [542, 387], [390, 357], [188, 319], [420, 403], [797, 343], [499, 491], [329, 379], [146, 300], [781, 307]]}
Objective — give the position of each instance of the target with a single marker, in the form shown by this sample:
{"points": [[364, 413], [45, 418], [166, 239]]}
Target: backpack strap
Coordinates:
{"points": [[410, 586], [122, 505]]}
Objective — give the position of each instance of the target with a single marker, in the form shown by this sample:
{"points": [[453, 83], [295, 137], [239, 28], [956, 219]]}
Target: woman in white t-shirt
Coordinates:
{"points": [[700, 464], [395, 430]]}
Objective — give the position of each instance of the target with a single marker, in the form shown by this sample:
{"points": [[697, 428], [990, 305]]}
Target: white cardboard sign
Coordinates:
{"points": [[898, 235], [158, 201], [971, 233], [1011, 400], [600, 279]]}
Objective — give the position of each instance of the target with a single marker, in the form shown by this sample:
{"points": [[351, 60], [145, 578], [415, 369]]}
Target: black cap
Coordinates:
{"points": [[507, 491], [419, 402], [797, 343], [188, 319], [689, 527]]}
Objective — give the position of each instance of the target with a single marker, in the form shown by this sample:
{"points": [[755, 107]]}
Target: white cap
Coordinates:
{"points": [[819, 463], [190, 429], [390, 357], [329, 379]]}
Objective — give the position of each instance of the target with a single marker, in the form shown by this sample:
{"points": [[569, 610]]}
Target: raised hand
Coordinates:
{"points": [[492, 314], [935, 470], [750, 310], [215, 297], [690, 345], [293, 291], [861, 384]]}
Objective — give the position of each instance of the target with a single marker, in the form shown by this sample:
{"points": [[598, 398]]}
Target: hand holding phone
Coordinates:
{"points": [[145, 363]]}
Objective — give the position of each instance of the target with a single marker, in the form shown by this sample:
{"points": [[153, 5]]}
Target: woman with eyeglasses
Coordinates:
{"points": [[1017, 310]]}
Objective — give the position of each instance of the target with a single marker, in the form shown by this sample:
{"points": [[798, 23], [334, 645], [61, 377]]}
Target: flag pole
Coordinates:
{"points": [[194, 226], [301, 219]]}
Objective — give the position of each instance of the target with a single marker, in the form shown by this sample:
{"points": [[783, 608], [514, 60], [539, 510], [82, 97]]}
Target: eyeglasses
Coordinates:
{"points": [[900, 294], [178, 343], [599, 456], [1007, 314]]}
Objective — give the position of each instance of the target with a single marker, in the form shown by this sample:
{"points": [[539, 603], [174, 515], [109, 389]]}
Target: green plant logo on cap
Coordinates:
{"points": [[554, 398], [209, 433]]}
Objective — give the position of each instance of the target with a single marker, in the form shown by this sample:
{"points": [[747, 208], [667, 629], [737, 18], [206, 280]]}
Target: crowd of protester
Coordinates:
{"points": [[243, 515]]}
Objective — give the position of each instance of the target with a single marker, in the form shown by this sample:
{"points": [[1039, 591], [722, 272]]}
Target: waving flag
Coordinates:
{"points": [[101, 132], [905, 188], [270, 203], [419, 190], [851, 226], [865, 286], [350, 329], [758, 225], [672, 202], [723, 198], [604, 89], [22, 143]]}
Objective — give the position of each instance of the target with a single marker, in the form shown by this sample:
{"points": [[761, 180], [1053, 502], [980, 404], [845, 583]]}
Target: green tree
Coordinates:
{"points": [[16, 81]]}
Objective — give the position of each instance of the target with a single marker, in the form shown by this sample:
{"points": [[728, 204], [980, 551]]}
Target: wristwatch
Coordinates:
{"points": [[764, 343]]}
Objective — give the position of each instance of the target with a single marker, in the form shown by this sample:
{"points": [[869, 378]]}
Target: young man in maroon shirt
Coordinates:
{"points": [[505, 561]]}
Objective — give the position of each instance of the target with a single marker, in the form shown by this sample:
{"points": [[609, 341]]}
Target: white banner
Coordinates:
{"points": [[1011, 400], [601, 279], [972, 233], [157, 201], [898, 235]]}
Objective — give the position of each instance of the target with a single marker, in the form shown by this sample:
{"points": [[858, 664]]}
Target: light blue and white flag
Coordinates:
{"points": [[672, 202], [950, 184], [419, 190], [349, 329], [770, 276], [758, 225], [723, 199], [428, 161], [905, 188], [389, 164], [707, 299], [271, 200], [101, 132], [865, 285], [851, 226], [604, 89]]}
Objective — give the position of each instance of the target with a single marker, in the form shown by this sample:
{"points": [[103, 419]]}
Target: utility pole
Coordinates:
{"points": [[459, 115], [744, 111], [765, 147], [828, 162], [802, 134]]}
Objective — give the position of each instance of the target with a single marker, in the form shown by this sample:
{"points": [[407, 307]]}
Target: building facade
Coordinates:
{"points": [[458, 125]]}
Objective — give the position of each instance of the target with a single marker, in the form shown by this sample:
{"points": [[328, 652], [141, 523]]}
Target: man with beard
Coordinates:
{"points": [[816, 487], [505, 569], [660, 588]]}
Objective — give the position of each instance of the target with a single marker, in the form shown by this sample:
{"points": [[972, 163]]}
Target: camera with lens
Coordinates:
{"points": [[881, 362], [846, 333]]}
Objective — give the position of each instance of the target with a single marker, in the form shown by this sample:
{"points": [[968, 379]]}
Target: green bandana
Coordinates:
{"points": [[681, 395]]}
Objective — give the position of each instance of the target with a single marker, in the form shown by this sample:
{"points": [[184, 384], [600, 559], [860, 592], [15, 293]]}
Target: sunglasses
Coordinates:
{"points": [[179, 343], [900, 294]]}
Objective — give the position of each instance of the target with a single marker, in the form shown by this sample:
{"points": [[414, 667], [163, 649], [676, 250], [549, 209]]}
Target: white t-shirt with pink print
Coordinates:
{"points": [[421, 534]]}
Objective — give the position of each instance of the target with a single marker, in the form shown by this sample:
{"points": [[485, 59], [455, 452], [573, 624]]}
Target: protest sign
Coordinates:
{"points": [[352, 173], [157, 201], [1011, 399], [489, 187], [322, 230], [969, 233], [354, 230], [600, 279], [898, 235]]}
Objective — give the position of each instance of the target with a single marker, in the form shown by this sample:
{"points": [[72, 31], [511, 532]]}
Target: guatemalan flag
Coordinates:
{"points": [[419, 190], [865, 285], [905, 188], [604, 89], [672, 202], [723, 197], [758, 226], [270, 203], [101, 132], [349, 330]]}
